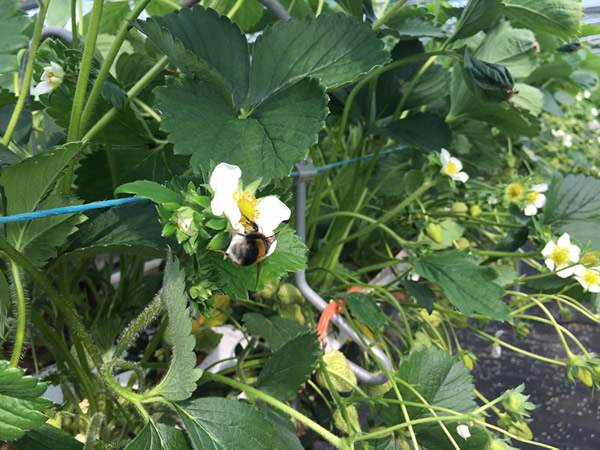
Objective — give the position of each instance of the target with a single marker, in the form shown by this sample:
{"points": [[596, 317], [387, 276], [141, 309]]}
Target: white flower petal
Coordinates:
{"points": [[540, 201], [463, 431], [457, 163], [444, 157], [271, 248], [549, 264], [565, 273], [549, 248], [579, 270], [271, 212], [530, 210], [56, 70], [574, 252], [564, 240], [594, 288], [224, 182], [540, 187], [43, 87]]}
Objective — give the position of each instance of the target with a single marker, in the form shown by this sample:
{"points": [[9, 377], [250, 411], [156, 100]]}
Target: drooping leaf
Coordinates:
{"points": [[12, 39], [267, 143], [150, 190], [47, 437], [222, 424], [468, 286], [573, 206], [202, 43], [290, 366], [159, 437], [560, 18], [476, 16], [489, 82], [334, 49], [275, 330], [529, 98], [365, 308], [180, 380], [441, 381], [127, 229], [587, 79], [424, 131], [513, 48], [424, 296], [21, 402]]}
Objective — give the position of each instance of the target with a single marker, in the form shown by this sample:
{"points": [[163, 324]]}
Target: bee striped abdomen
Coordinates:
{"points": [[250, 251]]}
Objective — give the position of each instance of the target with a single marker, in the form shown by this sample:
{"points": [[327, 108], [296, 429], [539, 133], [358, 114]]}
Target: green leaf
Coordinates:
{"points": [[21, 402], [489, 82], [587, 79], [159, 437], [417, 27], [7, 157], [290, 366], [468, 286], [223, 424], [334, 49], [573, 206], [127, 229], [560, 18], [151, 190], [180, 380], [59, 12], [113, 15], [286, 431], [441, 381], [12, 39], [529, 98], [451, 231], [424, 296], [365, 308], [275, 330], [514, 48], [352, 7], [476, 16], [47, 437], [26, 187], [267, 143], [424, 131], [246, 16], [201, 42]]}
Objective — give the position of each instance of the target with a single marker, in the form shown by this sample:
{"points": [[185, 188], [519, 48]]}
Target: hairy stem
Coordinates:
{"points": [[21, 315]]}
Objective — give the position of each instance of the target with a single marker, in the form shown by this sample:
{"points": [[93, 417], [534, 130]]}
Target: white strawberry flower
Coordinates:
{"points": [[535, 199], [589, 278], [452, 166], [51, 78], [463, 431], [241, 207], [561, 254]]}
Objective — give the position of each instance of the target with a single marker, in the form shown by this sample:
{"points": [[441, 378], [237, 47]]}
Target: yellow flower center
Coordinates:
{"points": [[514, 192], [589, 259], [247, 204], [451, 168], [532, 197], [52, 79], [560, 256], [591, 277]]}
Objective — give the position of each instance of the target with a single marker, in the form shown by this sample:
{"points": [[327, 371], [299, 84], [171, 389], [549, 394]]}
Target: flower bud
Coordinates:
{"points": [[512, 402], [339, 371], [185, 221]]}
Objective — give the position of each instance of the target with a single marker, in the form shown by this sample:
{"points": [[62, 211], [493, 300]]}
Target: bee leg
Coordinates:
{"points": [[257, 275], [232, 231], [221, 251]]}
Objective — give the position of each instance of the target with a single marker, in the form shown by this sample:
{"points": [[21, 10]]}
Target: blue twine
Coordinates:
{"points": [[123, 201]]}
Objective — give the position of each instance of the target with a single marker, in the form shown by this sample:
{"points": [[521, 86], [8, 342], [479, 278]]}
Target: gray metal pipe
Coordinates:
{"points": [[318, 302]]}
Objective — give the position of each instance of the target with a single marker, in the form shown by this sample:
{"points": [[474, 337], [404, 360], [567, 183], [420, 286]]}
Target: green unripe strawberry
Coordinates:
{"points": [[497, 445], [585, 377], [460, 208], [434, 231], [467, 361], [475, 210], [267, 293], [341, 375], [520, 429], [289, 294], [341, 424], [377, 390], [463, 242], [421, 339], [292, 312]]}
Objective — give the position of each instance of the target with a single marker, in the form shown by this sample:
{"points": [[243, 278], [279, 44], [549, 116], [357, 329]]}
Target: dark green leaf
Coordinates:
{"points": [[573, 206], [467, 285], [561, 18], [476, 16], [332, 48], [365, 308], [290, 366], [424, 296], [275, 330], [21, 402], [246, 16], [286, 431], [12, 39], [352, 7], [267, 143], [151, 190], [125, 229], [180, 380], [159, 437], [7, 157], [224, 424], [201, 42], [424, 131], [492, 83], [47, 437]]}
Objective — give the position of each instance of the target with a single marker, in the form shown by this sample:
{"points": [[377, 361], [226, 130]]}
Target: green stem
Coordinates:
{"points": [[234, 8], [66, 309], [135, 90], [35, 43], [21, 315], [75, 37], [333, 439], [155, 341], [412, 86], [383, 19], [504, 254], [84, 75], [108, 62]]}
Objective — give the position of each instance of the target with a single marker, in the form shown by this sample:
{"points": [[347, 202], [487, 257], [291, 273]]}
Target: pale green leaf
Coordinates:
{"points": [[151, 190], [335, 49], [560, 18], [275, 330], [59, 13], [47, 437], [529, 98], [573, 206], [477, 15], [21, 402], [468, 286], [180, 380], [214, 423], [12, 39], [201, 42], [267, 143], [365, 308], [451, 231], [290, 366]]}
